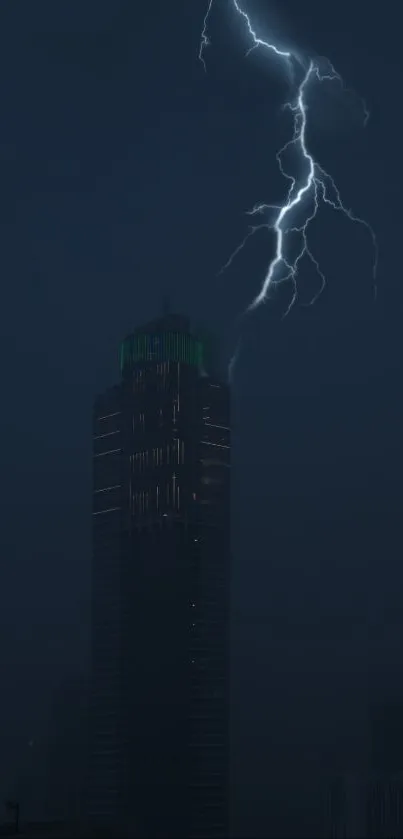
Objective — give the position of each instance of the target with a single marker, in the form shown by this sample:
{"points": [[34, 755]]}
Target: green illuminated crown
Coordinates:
{"points": [[158, 346]]}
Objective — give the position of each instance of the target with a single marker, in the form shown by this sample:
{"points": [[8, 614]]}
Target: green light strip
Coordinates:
{"points": [[168, 346]]}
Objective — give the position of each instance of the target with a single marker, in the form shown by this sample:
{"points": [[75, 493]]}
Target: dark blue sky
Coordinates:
{"points": [[125, 171]]}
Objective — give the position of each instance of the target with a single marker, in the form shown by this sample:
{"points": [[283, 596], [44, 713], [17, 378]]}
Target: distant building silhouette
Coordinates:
{"points": [[385, 790], [370, 804], [345, 807], [159, 761], [386, 738], [67, 752]]}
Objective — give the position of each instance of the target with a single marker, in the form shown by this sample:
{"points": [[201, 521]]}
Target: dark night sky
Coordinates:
{"points": [[125, 171]]}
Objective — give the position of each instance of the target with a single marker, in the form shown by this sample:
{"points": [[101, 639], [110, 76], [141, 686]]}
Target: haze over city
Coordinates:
{"points": [[127, 170]]}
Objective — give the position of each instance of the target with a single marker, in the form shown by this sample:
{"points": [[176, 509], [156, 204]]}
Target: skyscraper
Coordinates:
{"points": [[159, 762]]}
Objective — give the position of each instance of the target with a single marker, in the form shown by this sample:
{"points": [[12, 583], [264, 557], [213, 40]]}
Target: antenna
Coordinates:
{"points": [[166, 305]]}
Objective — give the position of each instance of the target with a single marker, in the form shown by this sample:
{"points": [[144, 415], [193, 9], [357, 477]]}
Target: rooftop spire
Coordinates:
{"points": [[166, 305]]}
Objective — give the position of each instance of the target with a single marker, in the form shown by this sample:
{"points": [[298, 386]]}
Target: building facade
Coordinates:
{"points": [[159, 735]]}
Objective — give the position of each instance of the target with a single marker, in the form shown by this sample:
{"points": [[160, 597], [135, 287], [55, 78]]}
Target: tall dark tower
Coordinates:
{"points": [[161, 581]]}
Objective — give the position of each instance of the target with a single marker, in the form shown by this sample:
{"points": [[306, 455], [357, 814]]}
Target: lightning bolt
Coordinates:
{"points": [[204, 39], [308, 192], [232, 363]]}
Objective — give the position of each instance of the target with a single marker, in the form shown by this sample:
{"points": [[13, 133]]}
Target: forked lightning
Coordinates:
{"points": [[308, 191]]}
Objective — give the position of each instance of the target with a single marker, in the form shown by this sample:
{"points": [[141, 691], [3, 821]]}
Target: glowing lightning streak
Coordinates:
{"points": [[317, 185], [257, 41], [204, 40]]}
